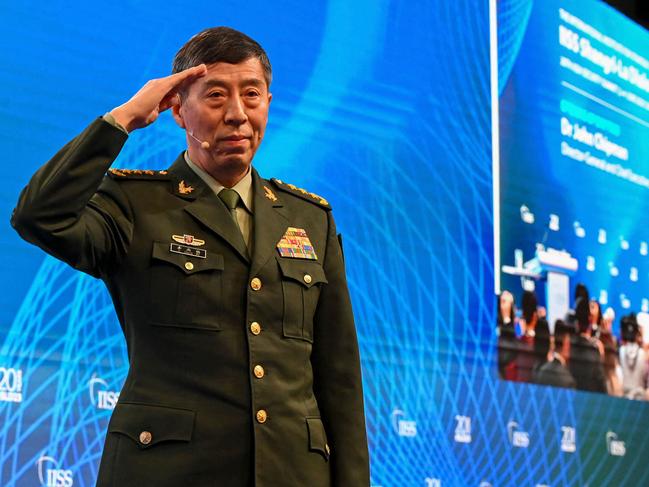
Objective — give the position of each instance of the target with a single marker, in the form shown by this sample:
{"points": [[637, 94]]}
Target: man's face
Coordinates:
{"points": [[228, 108]]}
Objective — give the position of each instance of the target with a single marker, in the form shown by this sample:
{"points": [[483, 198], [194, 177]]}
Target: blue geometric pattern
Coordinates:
{"points": [[384, 108]]}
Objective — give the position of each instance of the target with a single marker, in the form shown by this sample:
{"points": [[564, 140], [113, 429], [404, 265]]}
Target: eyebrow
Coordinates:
{"points": [[245, 82]]}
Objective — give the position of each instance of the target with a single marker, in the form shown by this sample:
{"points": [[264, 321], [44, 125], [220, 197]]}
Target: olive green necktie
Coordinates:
{"points": [[231, 199]]}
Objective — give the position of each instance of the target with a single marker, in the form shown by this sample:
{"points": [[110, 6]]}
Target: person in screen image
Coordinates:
{"points": [[506, 332], [612, 368], [585, 358], [633, 360], [595, 320], [555, 372], [581, 291], [244, 368], [542, 345], [526, 357]]}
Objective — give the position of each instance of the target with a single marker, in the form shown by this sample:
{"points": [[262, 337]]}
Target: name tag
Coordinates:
{"points": [[187, 250]]}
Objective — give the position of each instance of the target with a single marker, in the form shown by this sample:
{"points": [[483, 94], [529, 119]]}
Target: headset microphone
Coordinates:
{"points": [[204, 144]]}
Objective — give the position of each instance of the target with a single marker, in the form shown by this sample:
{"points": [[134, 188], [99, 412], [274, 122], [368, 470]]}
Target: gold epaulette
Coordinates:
{"points": [[137, 174], [302, 193]]}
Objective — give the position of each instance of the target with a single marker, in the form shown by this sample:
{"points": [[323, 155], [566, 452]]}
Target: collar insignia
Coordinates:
{"points": [[183, 188], [269, 194]]}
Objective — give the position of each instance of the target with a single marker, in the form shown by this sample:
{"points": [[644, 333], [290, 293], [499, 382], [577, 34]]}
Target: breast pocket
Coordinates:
{"points": [[186, 287], [301, 283]]}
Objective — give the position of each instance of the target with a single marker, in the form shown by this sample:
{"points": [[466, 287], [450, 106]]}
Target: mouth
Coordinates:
{"points": [[234, 138]]}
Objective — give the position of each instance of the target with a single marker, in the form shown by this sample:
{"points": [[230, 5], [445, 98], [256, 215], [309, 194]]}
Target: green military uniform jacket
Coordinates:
{"points": [[243, 370]]}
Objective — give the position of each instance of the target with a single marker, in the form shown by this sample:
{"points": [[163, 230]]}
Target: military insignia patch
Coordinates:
{"points": [[295, 244], [188, 240], [183, 188], [268, 193]]}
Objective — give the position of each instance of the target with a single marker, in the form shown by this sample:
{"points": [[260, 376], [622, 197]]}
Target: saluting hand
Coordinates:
{"points": [[156, 96]]}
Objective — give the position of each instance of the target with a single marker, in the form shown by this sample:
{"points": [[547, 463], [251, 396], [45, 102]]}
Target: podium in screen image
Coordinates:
{"points": [[556, 267]]}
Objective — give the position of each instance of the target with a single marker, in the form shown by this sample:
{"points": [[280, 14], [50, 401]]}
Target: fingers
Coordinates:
{"points": [[174, 82], [168, 101], [178, 78]]}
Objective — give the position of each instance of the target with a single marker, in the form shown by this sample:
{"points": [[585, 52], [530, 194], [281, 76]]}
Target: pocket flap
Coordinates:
{"points": [[317, 437], [149, 425], [307, 273], [188, 259]]}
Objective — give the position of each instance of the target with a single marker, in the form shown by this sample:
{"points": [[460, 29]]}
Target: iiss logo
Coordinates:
{"points": [[518, 438], [11, 385], [463, 429], [401, 426], [100, 396], [568, 439], [615, 447], [50, 473]]}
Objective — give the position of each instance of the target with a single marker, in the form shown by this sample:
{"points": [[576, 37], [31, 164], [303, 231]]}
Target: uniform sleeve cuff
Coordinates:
{"points": [[111, 120]]}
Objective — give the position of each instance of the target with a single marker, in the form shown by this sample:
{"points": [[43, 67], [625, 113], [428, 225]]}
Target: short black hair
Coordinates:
{"points": [[529, 304], [562, 332], [630, 328], [582, 313], [221, 45], [542, 340], [581, 291]]}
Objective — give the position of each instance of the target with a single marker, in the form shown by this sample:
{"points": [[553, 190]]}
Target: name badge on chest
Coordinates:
{"points": [[187, 250]]}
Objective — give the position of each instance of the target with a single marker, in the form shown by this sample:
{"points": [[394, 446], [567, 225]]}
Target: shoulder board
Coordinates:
{"points": [[302, 193], [137, 174]]}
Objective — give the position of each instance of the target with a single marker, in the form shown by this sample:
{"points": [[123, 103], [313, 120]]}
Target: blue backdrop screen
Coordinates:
{"points": [[385, 108]]}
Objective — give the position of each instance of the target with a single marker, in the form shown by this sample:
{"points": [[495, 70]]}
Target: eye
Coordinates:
{"points": [[215, 94], [252, 93]]}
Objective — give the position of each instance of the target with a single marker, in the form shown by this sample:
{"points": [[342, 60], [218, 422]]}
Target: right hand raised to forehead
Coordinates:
{"points": [[156, 96]]}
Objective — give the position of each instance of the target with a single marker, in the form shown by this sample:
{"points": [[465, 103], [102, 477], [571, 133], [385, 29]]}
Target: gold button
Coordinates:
{"points": [[255, 328], [145, 437], [189, 266], [255, 284], [262, 416], [327, 449], [307, 278], [258, 371]]}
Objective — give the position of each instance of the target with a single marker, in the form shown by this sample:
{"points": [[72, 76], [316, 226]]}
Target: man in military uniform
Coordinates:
{"points": [[230, 289]]}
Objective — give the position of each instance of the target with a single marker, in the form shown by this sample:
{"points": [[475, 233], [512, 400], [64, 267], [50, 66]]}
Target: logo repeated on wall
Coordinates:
{"points": [[51, 474], [403, 427], [462, 429], [100, 395], [517, 437], [11, 385], [616, 448], [433, 482], [568, 439]]}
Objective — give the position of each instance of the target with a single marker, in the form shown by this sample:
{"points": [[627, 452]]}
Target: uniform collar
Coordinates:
{"points": [[243, 187]]}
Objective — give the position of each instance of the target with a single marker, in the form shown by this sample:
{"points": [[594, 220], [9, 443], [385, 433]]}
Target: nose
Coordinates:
{"points": [[235, 113]]}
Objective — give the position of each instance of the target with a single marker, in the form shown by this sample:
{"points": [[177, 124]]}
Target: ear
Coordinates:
{"points": [[176, 111]]}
